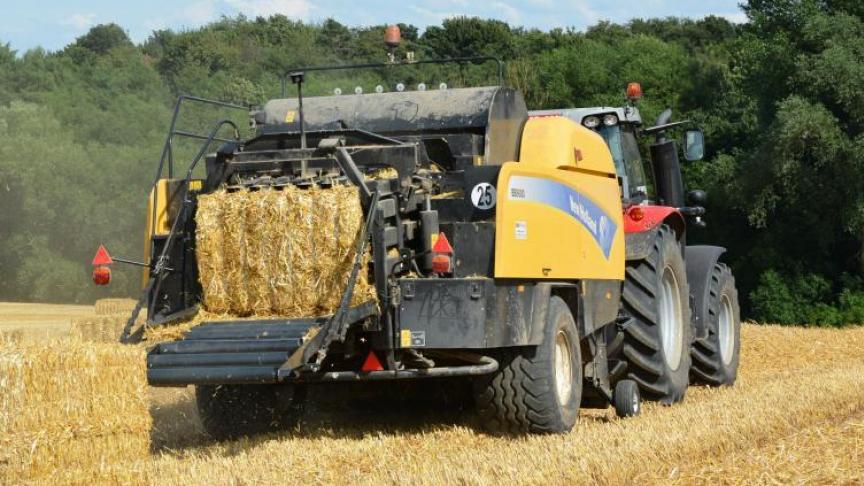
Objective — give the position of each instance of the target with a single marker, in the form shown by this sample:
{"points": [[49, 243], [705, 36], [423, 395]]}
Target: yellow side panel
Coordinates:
{"points": [[558, 142], [159, 197], [559, 223]]}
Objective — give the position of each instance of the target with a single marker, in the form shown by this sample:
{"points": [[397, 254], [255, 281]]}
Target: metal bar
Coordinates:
{"points": [[338, 67], [130, 262], [184, 133], [212, 375], [216, 359], [487, 365], [346, 163], [171, 158], [227, 346], [250, 332], [224, 375]]}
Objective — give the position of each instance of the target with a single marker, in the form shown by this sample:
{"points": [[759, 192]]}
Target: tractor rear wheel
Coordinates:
{"points": [[656, 341], [715, 357], [536, 389], [230, 411]]}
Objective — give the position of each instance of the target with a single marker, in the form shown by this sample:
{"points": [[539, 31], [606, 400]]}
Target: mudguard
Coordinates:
{"points": [[700, 259]]}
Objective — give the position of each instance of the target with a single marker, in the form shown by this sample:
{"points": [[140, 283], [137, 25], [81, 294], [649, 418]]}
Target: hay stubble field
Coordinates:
{"points": [[795, 416]]}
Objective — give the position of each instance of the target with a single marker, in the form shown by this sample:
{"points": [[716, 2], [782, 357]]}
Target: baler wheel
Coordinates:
{"points": [[536, 389]]}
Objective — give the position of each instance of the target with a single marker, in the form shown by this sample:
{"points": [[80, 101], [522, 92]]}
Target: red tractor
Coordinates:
{"points": [[680, 318]]}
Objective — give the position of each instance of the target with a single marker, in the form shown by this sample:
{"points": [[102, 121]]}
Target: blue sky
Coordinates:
{"points": [[54, 23]]}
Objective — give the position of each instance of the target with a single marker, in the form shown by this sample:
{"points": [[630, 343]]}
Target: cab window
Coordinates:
{"points": [[628, 161], [633, 164]]}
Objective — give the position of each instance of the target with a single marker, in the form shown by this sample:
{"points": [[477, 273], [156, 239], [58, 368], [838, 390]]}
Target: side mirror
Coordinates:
{"points": [[694, 145]]}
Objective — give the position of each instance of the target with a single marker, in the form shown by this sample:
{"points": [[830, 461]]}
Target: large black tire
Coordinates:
{"points": [[230, 411], [716, 357], [660, 368], [525, 394]]}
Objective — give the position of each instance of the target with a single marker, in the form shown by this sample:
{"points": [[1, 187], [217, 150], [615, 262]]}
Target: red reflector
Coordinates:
{"points": [[442, 245], [636, 213], [441, 263], [102, 257], [371, 363], [101, 275]]}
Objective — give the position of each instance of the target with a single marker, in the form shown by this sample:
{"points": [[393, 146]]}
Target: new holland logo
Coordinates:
{"points": [[570, 201], [578, 209]]}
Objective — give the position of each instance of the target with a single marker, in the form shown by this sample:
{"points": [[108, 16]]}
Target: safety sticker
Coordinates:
{"points": [[412, 339], [418, 339], [521, 230]]}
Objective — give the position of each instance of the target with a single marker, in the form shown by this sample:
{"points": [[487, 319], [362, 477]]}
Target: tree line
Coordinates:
{"points": [[779, 98]]}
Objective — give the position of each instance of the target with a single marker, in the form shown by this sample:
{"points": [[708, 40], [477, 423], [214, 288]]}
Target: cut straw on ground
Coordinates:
{"points": [[101, 328], [70, 408], [106, 307], [796, 415]]}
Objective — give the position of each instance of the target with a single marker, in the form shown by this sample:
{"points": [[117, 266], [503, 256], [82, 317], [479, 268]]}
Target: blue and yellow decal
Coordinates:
{"points": [[557, 224], [568, 200]]}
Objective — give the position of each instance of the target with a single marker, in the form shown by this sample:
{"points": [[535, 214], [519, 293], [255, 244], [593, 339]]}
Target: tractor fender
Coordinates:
{"points": [[639, 235], [700, 259]]}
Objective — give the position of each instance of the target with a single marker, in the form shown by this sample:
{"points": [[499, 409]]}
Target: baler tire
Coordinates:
{"points": [[231, 411], [710, 364], [522, 396], [643, 347]]}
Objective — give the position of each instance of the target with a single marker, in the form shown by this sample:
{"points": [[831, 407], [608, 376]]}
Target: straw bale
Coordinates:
{"points": [[105, 307], [67, 405], [285, 253], [233, 250], [208, 246], [102, 328]]}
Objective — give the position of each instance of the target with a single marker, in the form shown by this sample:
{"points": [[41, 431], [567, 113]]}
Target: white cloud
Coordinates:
{"points": [[199, 12], [589, 15], [79, 21], [508, 12], [735, 17], [435, 17], [266, 8]]}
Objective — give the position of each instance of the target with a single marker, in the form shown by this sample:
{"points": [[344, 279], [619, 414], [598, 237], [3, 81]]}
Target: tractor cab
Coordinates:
{"points": [[619, 128], [622, 129]]}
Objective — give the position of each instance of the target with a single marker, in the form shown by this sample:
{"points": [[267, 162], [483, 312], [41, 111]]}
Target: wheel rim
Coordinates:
{"points": [[670, 318], [563, 367], [726, 330]]}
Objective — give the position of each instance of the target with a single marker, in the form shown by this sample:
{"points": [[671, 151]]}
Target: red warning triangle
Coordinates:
{"points": [[371, 363], [442, 245], [102, 257]]}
